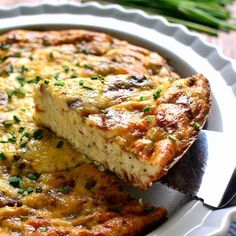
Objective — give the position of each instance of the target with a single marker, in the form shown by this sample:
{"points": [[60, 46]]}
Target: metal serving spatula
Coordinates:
{"points": [[207, 171]]}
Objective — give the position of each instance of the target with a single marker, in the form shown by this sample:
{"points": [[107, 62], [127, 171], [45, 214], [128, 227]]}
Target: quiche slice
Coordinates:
{"points": [[137, 126]]}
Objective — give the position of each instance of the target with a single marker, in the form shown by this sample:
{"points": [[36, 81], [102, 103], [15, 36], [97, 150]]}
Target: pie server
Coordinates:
{"points": [[207, 171]]}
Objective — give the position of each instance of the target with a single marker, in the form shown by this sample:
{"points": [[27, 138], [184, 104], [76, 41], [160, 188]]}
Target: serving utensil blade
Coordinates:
{"points": [[207, 171]]}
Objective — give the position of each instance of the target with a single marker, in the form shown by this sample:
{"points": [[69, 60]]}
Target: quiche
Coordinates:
{"points": [[46, 186], [137, 121]]}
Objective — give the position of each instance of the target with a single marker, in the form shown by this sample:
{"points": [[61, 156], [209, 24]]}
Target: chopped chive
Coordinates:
{"points": [[15, 181], [38, 134], [51, 55], [149, 119], [73, 76], [57, 75], [147, 109], [30, 190], [66, 68], [5, 46], [4, 58], [77, 64], [46, 81], [87, 87], [18, 54], [9, 70], [59, 83], [12, 139], [16, 118], [2, 156], [85, 51], [21, 129], [3, 141], [23, 69], [157, 93], [12, 132], [21, 190], [141, 98], [65, 189], [172, 137], [197, 125], [24, 217], [7, 123], [26, 134], [81, 82], [60, 144], [43, 229], [31, 58], [35, 80], [32, 176]]}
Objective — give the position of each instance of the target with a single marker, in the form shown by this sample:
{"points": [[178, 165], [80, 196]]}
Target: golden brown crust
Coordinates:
{"points": [[46, 187]]}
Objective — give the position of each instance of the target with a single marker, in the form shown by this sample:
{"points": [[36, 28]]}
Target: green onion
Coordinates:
{"points": [[157, 93], [66, 68], [60, 144], [21, 129], [7, 123], [30, 190], [204, 16], [12, 139], [2, 156], [141, 98], [32, 176], [24, 217], [46, 81], [59, 83], [149, 119], [15, 181], [5, 46], [173, 138], [38, 134], [65, 189], [147, 109], [197, 125], [16, 118]]}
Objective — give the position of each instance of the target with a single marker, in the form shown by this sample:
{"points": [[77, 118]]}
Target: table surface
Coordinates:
{"points": [[225, 41]]}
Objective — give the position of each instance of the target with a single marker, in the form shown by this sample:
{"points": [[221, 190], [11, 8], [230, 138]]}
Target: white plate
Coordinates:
{"points": [[188, 54]]}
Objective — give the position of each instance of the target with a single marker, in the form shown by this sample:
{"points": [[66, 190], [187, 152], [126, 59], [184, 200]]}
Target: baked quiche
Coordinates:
{"points": [[46, 186], [137, 121]]}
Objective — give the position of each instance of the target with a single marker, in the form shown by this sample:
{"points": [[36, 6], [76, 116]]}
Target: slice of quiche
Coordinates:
{"points": [[137, 126]]}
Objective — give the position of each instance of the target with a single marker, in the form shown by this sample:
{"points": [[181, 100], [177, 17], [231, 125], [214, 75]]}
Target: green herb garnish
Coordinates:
{"points": [[15, 181], [157, 93], [46, 81], [38, 134], [2, 156], [12, 139], [147, 109], [16, 118], [59, 83], [7, 123], [196, 125], [60, 144], [32, 176], [149, 119], [172, 137], [5, 46]]}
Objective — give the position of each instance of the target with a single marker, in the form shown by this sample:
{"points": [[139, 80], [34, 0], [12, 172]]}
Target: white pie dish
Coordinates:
{"points": [[186, 52]]}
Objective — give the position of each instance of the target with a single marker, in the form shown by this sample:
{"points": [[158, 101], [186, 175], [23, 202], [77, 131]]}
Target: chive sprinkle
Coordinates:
{"points": [[172, 137], [59, 83], [60, 144], [81, 82], [149, 119], [46, 81], [147, 109], [32, 176], [16, 118], [24, 217], [21, 129], [197, 125], [5, 46], [7, 123], [30, 190], [141, 98], [66, 68], [38, 134], [15, 181], [2, 156], [157, 93], [12, 139]]}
